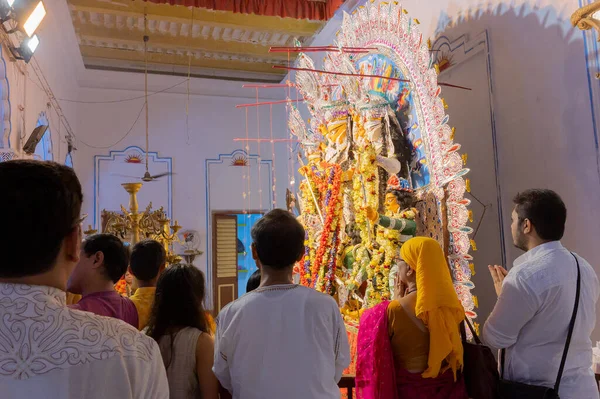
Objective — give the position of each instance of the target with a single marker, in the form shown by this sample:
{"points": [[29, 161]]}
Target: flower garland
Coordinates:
{"points": [[305, 272], [309, 213], [365, 183], [121, 287], [328, 242]]}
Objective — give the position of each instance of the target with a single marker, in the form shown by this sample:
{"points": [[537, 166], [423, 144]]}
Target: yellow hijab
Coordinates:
{"points": [[437, 304]]}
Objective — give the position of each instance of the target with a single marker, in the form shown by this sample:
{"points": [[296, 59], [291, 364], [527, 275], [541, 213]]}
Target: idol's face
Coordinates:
{"points": [[391, 203]]}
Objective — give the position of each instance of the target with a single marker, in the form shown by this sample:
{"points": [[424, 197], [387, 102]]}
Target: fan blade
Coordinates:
{"points": [[161, 175], [127, 176]]}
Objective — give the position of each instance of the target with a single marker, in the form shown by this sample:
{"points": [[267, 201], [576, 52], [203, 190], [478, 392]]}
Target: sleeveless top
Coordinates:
{"points": [[409, 338], [179, 356]]}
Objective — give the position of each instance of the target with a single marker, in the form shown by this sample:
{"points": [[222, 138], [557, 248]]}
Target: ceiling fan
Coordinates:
{"points": [[147, 176]]}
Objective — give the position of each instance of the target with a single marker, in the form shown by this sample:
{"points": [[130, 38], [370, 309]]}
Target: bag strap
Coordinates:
{"points": [[571, 327], [569, 334], [464, 333]]}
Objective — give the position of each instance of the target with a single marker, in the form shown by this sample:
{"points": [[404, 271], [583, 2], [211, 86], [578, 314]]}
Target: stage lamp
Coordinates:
{"points": [[29, 15], [27, 48], [6, 9]]}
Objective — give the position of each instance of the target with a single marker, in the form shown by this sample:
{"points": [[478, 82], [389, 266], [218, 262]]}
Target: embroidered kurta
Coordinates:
{"points": [[281, 341], [531, 320], [50, 351]]}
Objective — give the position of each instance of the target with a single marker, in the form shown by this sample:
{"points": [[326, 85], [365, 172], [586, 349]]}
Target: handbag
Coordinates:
{"points": [[518, 390], [480, 369]]}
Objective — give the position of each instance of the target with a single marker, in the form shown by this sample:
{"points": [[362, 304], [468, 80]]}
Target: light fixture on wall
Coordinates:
{"points": [[26, 14], [26, 49], [6, 9], [22, 17]]}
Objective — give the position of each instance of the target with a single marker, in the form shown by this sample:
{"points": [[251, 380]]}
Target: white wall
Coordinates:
{"points": [[213, 124]]}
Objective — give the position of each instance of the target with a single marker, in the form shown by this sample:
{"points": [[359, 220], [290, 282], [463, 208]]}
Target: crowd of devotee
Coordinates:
{"points": [[66, 332]]}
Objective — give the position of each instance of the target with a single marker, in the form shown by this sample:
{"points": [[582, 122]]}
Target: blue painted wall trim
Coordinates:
{"points": [[46, 141], [592, 61], [5, 85], [111, 157], [219, 160]]}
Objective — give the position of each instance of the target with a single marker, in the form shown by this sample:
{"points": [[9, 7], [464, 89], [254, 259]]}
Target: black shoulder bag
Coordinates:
{"points": [[517, 390], [480, 369]]}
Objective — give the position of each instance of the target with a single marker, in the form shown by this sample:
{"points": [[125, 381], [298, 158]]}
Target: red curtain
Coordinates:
{"points": [[316, 10]]}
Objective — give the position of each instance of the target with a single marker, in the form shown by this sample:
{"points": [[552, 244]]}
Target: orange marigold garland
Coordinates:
{"points": [[121, 286], [328, 243]]}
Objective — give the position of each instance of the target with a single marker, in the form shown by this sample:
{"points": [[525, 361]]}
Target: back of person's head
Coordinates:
{"points": [[278, 239], [253, 282], [41, 203], [148, 259], [103, 257], [179, 301], [545, 210]]}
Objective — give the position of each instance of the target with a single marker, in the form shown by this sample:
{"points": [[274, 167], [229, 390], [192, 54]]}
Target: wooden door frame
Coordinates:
{"points": [[213, 215]]}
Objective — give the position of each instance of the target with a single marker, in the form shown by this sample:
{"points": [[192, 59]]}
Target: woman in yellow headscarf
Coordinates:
{"points": [[416, 335]]}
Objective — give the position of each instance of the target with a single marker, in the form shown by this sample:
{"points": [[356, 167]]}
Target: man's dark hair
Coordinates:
{"points": [[279, 239], [41, 201], [545, 210], [253, 282], [146, 259], [116, 254]]}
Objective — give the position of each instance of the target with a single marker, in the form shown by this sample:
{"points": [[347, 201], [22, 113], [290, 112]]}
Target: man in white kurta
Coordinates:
{"points": [[536, 300], [281, 341], [46, 349]]}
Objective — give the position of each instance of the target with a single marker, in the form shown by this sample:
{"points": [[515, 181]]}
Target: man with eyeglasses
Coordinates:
{"points": [[48, 350], [536, 302]]}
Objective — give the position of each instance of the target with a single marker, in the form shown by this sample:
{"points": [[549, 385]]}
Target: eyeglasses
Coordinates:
{"points": [[80, 220]]}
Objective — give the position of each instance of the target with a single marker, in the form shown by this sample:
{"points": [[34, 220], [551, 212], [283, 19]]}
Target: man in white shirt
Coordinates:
{"points": [[280, 341], [48, 350], [536, 300]]}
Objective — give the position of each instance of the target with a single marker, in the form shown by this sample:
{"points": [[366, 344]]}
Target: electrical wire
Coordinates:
{"points": [[125, 99], [187, 104], [44, 86], [146, 38], [122, 138]]}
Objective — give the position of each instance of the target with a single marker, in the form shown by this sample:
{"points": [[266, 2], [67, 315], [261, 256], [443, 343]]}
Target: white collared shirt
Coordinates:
{"points": [[50, 351], [281, 342], [531, 320]]}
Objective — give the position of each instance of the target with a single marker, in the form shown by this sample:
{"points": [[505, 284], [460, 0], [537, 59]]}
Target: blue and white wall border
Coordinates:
{"points": [[103, 164], [227, 159]]}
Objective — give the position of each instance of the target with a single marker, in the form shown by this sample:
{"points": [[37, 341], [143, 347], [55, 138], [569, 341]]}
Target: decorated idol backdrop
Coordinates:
{"points": [[464, 60], [379, 163]]}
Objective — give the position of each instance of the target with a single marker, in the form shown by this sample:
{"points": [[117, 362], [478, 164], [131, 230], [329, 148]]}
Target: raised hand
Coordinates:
{"points": [[498, 275]]}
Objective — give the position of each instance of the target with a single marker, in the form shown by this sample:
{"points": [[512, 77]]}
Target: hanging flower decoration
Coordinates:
{"points": [[327, 248]]}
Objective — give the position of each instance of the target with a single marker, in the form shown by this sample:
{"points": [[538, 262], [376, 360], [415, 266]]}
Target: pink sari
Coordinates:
{"points": [[376, 377]]}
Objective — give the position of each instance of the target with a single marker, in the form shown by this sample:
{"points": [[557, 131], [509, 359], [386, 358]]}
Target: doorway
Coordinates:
{"points": [[232, 256]]}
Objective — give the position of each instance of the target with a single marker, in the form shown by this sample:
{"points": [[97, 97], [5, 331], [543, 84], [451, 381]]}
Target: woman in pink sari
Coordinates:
{"points": [[410, 348]]}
